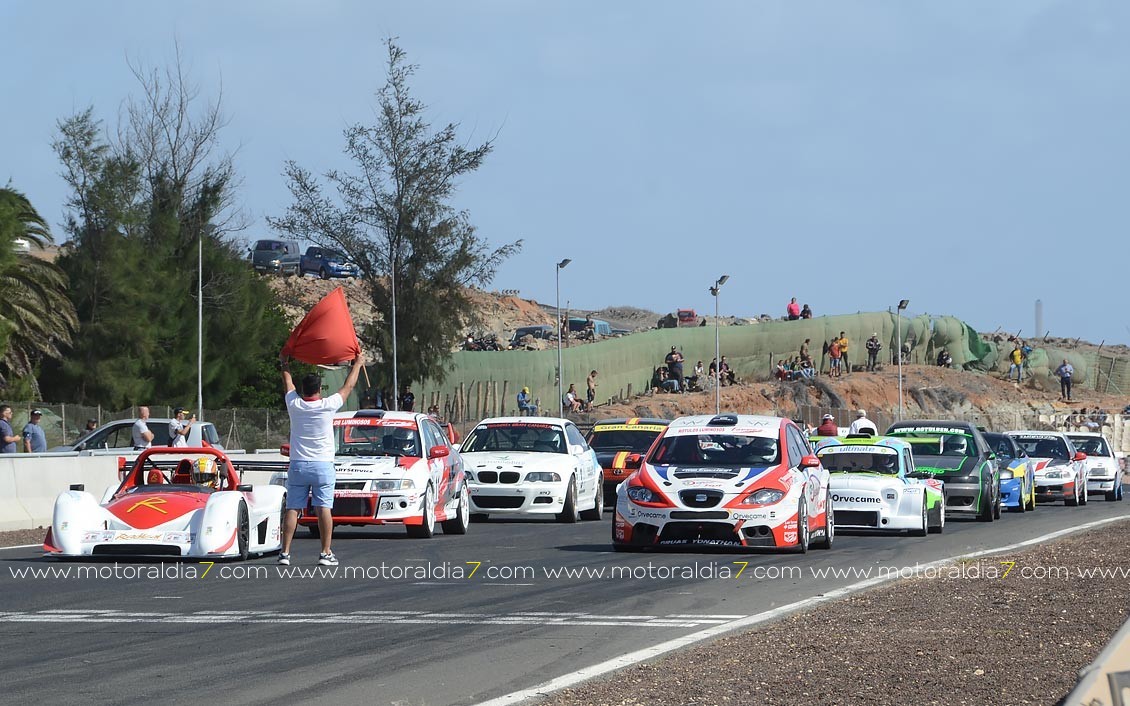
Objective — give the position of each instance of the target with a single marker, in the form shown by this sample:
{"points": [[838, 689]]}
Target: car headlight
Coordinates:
{"points": [[641, 494], [402, 484], [974, 479], [274, 263], [279, 481], [543, 477], [1007, 475], [1055, 474], [765, 496]]}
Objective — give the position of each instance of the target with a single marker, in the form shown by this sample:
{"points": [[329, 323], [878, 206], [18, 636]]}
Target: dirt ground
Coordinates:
{"points": [[950, 639]]}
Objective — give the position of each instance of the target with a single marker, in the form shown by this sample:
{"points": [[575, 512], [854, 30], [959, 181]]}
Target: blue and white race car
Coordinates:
{"points": [[1017, 471], [875, 486]]}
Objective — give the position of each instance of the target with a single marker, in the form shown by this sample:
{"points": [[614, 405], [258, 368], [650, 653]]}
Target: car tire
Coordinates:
{"points": [[1073, 501], [941, 526], [997, 505], [568, 512], [596, 512], [244, 532], [802, 540], [829, 524], [986, 514], [925, 530], [323, 274], [426, 529], [458, 524]]}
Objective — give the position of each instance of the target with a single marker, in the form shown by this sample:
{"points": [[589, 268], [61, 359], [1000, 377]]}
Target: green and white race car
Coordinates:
{"points": [[875, 486]]}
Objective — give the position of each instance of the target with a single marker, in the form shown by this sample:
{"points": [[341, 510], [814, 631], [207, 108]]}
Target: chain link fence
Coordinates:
{"points": [[239, 428]]}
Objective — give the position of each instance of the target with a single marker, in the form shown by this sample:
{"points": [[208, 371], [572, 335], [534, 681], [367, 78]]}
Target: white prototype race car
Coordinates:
{"points": [[181, 502], [726, 481], [532, 466]]}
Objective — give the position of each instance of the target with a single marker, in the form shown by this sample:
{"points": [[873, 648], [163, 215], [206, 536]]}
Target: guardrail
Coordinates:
{"points": [[1106, 681]]}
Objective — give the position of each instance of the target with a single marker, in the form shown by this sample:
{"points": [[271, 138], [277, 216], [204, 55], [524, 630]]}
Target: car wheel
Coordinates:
{"points": [[427, 528], [1118, 489], [1031, 497], [1083, 493], [1073, 501], [986, 514], [829, 524], [568, 513], [1022, 504], [458, 524], [479, 517], [244, 532], [323, 274], [997, 505], [801, 528], [940, 527], [282, 521], [596, 512], [925, 522]]}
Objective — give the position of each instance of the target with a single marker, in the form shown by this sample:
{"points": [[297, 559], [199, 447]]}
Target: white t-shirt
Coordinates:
{"points": [[175, 439], [861, 423], [311, 426], [139, 429]]}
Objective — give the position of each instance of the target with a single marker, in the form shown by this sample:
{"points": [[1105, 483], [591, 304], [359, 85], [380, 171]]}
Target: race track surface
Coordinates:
{"points": [[245, 633]]}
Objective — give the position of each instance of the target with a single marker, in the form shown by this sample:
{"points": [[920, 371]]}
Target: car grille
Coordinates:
{"points": [[499, 501], [134, 550], [682, 531], [487, 476], [509, 477], [352, 507], [857, 518], [700, 498], [689, 515], [351, 485], [695, 473]]}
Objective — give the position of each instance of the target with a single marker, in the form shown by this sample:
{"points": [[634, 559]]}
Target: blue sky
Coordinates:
{"points": [[969, 156]]}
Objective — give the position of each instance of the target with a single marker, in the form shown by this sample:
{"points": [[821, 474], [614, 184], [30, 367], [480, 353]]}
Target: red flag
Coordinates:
{"points": [[325, 335]]}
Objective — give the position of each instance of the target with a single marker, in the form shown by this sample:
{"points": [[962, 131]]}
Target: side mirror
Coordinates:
{"points": [[438, 452], [576, 449], [992, 456], [79, 487], [1079, 456], [284, 449], [809, 461], [244, 487], [634, 460]]}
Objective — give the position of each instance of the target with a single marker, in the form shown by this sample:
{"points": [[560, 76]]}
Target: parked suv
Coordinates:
{"points": [[275, 256], [326, 263], [118, 435]]}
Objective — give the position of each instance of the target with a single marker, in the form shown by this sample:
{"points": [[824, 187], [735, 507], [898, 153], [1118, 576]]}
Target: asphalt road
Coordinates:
{"points": [[380, 636]]}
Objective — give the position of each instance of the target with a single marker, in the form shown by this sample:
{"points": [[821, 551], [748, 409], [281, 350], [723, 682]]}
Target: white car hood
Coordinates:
{"points": [[364, 467], [857, 481], [517, 460]]}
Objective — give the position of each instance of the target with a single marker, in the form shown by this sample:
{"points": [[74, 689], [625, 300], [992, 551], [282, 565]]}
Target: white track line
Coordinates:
{"points": [[654, 651], [22, 546]]}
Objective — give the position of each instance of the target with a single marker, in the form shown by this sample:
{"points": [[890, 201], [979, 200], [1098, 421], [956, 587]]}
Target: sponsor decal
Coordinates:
{"points": [[374, 422], [928, 430], [790, 525], [836, 497], [890, 495], [628, 427], [857, 449], [693, 483], [518, 425], [354, 494], [151, 503], [745, 516], [137, 536], [1037, 437], [703, 542], [790, 537]]}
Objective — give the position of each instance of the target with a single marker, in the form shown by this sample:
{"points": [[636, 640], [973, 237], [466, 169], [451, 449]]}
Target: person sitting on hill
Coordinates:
{"points": [[572, 401], [526, 407], [782, 372], [945, 360], [806, 313]]}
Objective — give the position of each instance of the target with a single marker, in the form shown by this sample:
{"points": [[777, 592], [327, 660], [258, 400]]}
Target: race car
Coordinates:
{"points": [[182, 502], [875, 486], [726, 481], [619, 445], [955, 452], [394, 468], [532, 466], [1104, 472], [1061, 473], [1017, 472]]}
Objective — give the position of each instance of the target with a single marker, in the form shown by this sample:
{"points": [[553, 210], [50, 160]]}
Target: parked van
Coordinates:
{"points": [[275, 256]]}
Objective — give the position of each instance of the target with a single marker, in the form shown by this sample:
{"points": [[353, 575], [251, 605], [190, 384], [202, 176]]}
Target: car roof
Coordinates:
{"points": [[1036, 432], [1086, 433], [744, 424], [631, 421], [884, 441], [555, 421], [952, 423]]}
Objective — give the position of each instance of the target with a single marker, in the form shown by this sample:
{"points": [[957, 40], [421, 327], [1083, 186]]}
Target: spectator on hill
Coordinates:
{"points": [[945, 360], [827, 426], [695, 381], [781, 372], [1016, 362], [834, 355], [726, 374], [873, 348], [590, 392], [793, 310], [407, 399], [845, 365], [806, 313], [589, 333], [1065, 371], [806, 370], [674, 361], [804, 354], [662, 381], [572, 402], [526, 406]]}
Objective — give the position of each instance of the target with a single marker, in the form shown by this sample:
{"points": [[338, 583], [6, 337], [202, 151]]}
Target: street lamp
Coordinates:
{"points": [[903, 303], [560, 391], [717, 348]]}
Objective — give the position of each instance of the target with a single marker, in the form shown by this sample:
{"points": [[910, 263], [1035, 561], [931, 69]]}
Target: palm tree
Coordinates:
{"points": [[36, 316]]}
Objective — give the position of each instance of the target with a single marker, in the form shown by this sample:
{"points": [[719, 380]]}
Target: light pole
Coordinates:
{"points": [[717, 347], [200, 327], [903, 303], [560, 391]]}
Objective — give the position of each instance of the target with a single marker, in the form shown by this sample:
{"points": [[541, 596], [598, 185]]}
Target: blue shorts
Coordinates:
{"points": [[305, 478]]}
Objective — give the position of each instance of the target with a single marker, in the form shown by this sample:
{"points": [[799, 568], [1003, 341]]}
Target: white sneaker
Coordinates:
{"points": [[284, 559], [327, 559]]}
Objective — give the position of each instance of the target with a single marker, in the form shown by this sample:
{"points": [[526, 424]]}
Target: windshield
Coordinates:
{"points": [[334, 256], [377, 440], [1091, 445], [1043, 446], [1000, 445], [622, 439], [859, 462], [716, 450], [540, 438], [929, 443]]}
